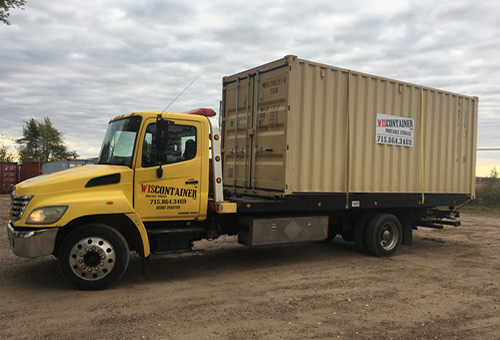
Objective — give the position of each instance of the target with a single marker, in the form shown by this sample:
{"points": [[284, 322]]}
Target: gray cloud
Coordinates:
{"points": [[81, 63]]}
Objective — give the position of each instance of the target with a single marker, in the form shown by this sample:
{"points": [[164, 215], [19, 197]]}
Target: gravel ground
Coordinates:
{"points": [[445, 286]]}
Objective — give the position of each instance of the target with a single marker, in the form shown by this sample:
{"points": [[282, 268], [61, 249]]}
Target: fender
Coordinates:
{"points": [[142, 231], [82, 205]]}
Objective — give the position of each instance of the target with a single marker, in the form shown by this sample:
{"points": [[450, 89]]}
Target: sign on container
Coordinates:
{"points": [[394, 130]]}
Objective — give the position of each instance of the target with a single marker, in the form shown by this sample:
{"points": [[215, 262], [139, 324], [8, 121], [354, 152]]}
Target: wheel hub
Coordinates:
{"points": [[92, 258], [389, 236]]}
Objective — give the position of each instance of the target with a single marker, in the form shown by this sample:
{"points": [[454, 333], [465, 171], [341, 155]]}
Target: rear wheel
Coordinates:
{"points": [[348, 235], [93, 256], [383, 235], [331, 233], [359, 233]]}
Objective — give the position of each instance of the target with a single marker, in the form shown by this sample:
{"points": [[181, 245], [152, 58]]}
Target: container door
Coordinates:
{"points": [[255, 113], [8, 177], [269, 115], [237, 124]]}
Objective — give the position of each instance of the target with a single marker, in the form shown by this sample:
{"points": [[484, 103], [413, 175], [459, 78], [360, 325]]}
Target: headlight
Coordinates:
{"points": [[47, 215]]}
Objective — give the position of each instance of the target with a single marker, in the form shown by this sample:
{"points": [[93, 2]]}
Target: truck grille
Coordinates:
{"points": [[17, 206]]}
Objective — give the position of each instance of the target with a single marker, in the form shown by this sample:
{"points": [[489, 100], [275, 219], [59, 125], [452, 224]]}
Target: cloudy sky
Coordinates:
{"points": [[81, 62]]}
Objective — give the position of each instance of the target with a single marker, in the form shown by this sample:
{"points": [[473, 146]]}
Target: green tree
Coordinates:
{"points": [[494, 173], [494, 187], [6, 5], [28, 146], [5, 155], [42, 142], [488, 191]]}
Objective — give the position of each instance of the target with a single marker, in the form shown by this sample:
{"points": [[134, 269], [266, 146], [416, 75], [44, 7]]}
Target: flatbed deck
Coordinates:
{"points": [[321, 203]]}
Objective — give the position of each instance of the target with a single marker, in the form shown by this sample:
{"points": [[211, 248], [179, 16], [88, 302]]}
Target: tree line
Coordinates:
{"points": [[6, 6], [488, 191], [41, 142]]}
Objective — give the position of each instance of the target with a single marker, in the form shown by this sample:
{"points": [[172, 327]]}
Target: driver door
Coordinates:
{"points": [[176, 195]]}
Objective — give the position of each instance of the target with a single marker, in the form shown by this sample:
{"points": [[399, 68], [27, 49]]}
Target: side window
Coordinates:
{"points": [[181, 145], [148, 149]]}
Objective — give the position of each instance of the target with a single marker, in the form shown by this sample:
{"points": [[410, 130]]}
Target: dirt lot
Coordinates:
{"points": [[445, 286]]}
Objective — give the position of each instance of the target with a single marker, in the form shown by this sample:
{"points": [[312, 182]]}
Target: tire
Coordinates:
{"points": [[331, 233], [93, 257], [348, 234], [383, 235], [360, 233]]}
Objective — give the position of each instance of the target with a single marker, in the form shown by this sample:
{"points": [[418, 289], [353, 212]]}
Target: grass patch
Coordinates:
{"points": [[474, 208]]}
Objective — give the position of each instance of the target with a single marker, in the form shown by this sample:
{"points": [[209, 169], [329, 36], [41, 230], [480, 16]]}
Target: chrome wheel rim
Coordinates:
{"points": [[92, 258]]}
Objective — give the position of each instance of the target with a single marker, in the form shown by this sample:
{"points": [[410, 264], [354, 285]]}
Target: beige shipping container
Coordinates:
{"points": [[294, 126]]}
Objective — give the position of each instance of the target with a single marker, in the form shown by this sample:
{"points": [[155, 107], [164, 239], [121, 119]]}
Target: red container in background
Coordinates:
{"points": [[28, 170], [8, 177]]}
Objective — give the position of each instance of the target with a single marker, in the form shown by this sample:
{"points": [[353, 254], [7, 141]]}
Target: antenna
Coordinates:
{"points": [[191, 83]]}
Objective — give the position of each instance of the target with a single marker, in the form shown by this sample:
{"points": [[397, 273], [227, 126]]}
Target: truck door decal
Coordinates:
{"points": [[175, 194]]}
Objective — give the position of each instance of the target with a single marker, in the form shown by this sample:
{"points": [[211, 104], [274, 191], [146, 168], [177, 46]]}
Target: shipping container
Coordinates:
{"points": [[29, 170], [51, 167], [295, 126], [8, 176]]}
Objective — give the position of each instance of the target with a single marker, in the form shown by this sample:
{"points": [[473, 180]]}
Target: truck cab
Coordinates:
{"points": [[148, 192]]}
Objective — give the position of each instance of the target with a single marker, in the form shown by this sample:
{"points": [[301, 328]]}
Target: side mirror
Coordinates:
{"points": [[161, 135], [161, 142]]}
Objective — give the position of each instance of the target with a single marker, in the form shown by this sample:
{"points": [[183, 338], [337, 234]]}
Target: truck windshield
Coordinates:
{"points": [[119, 141]]}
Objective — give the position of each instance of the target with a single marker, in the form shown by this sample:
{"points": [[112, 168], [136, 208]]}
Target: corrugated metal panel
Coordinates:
{"points": [[379, 167], [312, 128], [8, 176], [29, 170], [51, 167], [318, 142]]}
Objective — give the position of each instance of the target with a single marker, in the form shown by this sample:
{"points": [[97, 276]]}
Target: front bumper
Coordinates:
{"points": [[32, 243]]}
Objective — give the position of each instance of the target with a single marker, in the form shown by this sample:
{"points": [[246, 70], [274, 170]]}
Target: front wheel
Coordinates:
{"points": [[383, 235], [93, 256]]}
